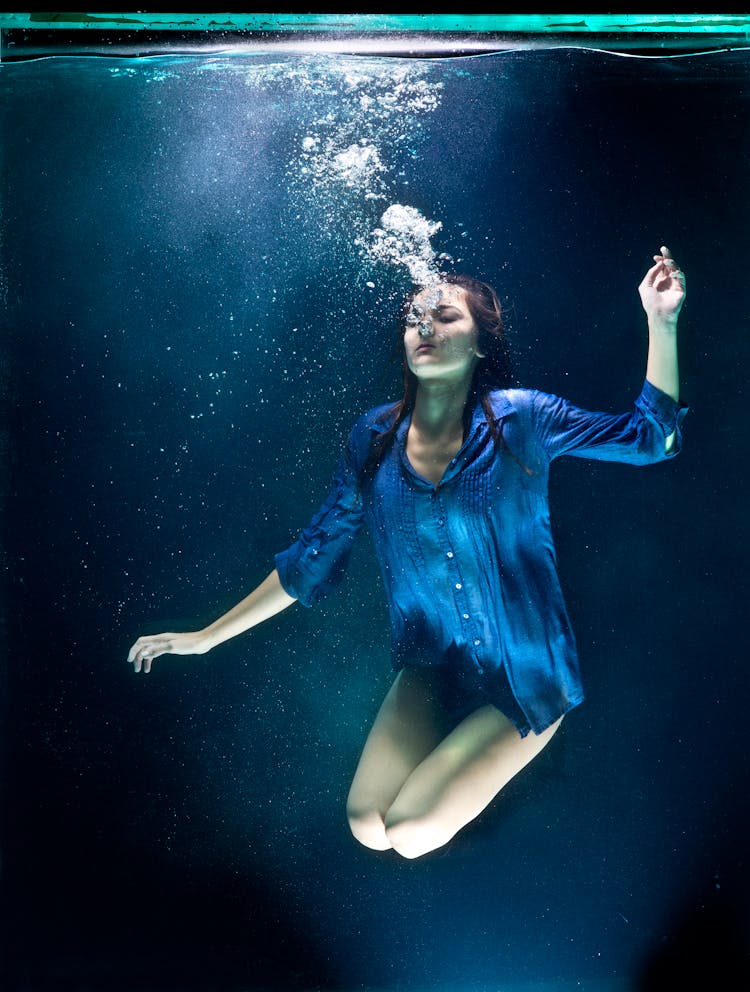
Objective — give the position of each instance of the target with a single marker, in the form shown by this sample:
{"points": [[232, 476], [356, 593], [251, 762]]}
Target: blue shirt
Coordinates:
{"points": [[469, 564]]}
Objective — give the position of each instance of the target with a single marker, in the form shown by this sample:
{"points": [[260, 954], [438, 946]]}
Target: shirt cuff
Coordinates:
{"points": [[668, 413], [291, 580]]}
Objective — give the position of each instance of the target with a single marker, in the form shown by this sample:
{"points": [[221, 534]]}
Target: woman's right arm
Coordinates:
{"points": [[268, 599]]}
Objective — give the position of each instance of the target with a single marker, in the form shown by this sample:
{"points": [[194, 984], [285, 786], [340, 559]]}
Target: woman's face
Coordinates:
{"points": [[441, 338]]}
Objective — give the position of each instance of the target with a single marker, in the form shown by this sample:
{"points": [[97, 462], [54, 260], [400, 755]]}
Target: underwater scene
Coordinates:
{"points": [[204, 265]]}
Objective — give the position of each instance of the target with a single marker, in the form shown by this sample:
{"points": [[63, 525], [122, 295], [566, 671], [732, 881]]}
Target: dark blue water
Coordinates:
{"points": [[197, 307]]}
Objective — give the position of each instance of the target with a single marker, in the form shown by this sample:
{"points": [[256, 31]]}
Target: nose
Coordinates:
{"points": [[425, 328]]}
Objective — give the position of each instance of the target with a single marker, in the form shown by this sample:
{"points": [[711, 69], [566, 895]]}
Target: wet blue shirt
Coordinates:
{"points": [[469, 564]]}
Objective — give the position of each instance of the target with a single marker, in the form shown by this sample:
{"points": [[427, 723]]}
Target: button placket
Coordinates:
{"points": [[459, 592]]}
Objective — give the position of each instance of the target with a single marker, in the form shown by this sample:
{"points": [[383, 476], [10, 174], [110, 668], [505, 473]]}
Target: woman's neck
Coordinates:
{"points": [[439, 407]]}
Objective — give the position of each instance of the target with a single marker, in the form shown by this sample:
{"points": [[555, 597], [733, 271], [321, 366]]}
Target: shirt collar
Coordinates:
{"points": [[501, 406]]}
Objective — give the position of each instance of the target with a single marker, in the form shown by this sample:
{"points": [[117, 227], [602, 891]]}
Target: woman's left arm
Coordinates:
{"points": [[662, 293], [652, 430]]}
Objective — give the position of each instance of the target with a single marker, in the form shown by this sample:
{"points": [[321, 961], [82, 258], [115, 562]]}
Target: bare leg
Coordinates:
{"points": [[409, 726], [458, 779]]}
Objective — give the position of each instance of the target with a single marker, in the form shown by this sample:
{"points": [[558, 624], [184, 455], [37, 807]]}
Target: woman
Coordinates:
{"points": [[452, 483]]}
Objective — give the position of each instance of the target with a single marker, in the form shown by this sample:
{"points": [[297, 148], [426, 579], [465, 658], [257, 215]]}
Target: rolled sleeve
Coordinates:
{"points": [[316, 562], [665, 412], [638, 437]]}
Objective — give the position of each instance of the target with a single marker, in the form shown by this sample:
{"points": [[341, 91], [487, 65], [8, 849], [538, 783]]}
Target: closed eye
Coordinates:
{"points": [[446, 314]]}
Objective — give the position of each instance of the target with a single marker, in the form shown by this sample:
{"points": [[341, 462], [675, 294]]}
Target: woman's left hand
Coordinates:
{"points": [[662, 290]]}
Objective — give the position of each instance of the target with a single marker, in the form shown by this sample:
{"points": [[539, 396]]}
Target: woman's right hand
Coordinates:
{"points": [[151, 646]]}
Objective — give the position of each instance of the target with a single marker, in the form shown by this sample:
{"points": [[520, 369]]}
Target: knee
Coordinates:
{"points": [[367, 826], [413, 836]]}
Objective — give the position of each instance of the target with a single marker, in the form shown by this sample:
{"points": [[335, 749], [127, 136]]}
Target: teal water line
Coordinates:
{"points": [[140, 34], [695, 23]]}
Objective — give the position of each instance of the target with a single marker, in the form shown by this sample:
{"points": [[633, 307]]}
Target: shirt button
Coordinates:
{"points": [[466, 616], [449, 554], [477, 642], [459, 586]]}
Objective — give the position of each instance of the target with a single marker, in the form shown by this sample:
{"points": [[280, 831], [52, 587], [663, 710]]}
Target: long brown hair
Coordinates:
{"points": [[494, 371]]}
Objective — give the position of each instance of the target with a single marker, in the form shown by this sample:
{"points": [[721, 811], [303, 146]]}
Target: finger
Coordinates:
{"points": [[664, 271], [144, 659], [668, 259], [670, 269], [663, 265], [142, 645], [141, 654], [655, 270]]}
